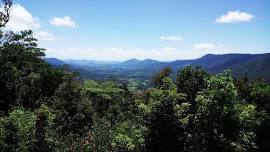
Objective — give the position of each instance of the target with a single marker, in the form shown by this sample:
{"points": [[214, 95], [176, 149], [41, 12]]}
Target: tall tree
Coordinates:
{"points": [[158, 78], [40, 144], [164, 134], [25, 78], [190, 81]]}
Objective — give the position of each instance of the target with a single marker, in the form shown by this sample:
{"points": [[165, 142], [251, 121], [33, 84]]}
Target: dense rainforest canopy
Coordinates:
{"points": [[43, 108]]}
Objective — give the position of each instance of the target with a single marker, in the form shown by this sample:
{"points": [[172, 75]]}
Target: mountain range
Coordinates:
{"points": [[254, 65]]}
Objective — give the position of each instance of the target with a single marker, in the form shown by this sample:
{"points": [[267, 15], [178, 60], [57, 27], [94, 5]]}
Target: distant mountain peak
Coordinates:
{"points": [[132, 60], [150, 60], [210, 55]]}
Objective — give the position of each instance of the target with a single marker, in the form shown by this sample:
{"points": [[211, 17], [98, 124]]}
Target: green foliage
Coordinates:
{"points": [[100, 136], [260, 94], [221, 87], [73, 111], [164, 129], [158, 78], [25, 79], [137, 85], [190, 81], [43, 139], [128, 136], [18, 128]]}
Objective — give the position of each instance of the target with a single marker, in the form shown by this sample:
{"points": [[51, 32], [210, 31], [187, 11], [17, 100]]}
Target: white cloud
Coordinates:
{"points": [[21, 19], [44, 36], [235, 17], [64, 22], [205, 46], [171, 38]]}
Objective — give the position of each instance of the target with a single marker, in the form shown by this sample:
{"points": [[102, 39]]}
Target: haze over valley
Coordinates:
{"points": [[253, 65]]}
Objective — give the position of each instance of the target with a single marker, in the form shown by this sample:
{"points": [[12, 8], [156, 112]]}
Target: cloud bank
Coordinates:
{"points": [[120, 54], [235, 17], [63, 22]]}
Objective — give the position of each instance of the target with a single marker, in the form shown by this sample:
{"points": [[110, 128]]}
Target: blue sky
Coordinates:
{"points": [[157, 29]]}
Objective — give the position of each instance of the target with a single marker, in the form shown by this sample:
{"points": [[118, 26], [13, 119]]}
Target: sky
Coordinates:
{"points": [[165, 30]]}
